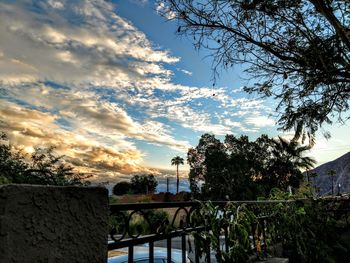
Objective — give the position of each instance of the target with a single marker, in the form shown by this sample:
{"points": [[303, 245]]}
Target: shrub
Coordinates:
{"points": [[122, 188]]}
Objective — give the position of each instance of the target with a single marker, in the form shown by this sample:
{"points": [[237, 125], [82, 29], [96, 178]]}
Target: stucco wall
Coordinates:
{"points": [[40, 224]]}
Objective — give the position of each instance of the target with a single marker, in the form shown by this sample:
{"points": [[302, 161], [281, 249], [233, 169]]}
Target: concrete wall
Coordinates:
{"points": [[45, 224]]}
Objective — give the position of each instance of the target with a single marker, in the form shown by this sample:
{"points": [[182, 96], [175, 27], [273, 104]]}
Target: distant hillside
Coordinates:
{"points": [[342, 168]]}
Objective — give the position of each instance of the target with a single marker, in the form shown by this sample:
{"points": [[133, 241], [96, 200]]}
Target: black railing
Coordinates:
{"points": [[125, 233], [182, 224]]}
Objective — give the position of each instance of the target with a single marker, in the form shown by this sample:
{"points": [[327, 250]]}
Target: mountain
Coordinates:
{"points": [[323, 181]]}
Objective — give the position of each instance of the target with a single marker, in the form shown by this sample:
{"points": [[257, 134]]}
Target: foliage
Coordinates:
{"points": [[138, 223], [143, 184], [305, 191], [49, 169], [177, 160], [298, 51], [307, 230], [317, 235], [113, 200], [238, 221], [239, 169], [42, 167], [157, 216], [13, 165], [122, 188], [288, 161]]}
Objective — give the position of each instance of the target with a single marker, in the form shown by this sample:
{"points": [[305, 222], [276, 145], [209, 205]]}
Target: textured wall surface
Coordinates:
{"points": [[45, 224]]}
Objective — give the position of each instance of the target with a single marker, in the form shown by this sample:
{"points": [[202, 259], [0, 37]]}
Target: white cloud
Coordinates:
{"points": [[260, 121], [88, 113], [103, 49], [163, 9], [100, 71], [56, 4], [187, 72], [139, 2]]}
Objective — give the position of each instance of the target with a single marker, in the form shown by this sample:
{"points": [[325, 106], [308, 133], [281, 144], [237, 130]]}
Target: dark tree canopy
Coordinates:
{"points": [[143, 184], [298, 50], [122, 188], [13, 165], [239, 169], [43, 167]]}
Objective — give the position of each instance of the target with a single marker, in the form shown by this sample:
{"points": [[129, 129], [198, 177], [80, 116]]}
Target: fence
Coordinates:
{"points": [[124, 233]]}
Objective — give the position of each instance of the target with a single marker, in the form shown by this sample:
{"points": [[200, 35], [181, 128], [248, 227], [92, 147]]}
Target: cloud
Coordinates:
{"points": [[29, 128], [260, 121], [80, 42], [187, 72], [139, 2], [77, 75], [86, 112], [163, 9]]}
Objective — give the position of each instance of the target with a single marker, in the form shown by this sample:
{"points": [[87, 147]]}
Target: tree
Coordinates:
{"points": [[298, 51], [122, 188], [50, 169], [143, 184], [196, 159], [13, 165], [226, 169], [240, 169], [177, 160], [332, 173], [43, 167], [287, 163]]}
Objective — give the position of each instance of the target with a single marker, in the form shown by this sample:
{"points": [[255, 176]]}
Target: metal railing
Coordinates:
{"points": [[124, 233]]}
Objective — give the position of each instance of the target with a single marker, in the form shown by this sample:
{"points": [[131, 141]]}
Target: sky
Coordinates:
{"points": [[115, 90]]}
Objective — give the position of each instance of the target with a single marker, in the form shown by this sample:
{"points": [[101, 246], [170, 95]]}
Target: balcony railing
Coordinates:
{"points": [[180, 224], [134, 224]]}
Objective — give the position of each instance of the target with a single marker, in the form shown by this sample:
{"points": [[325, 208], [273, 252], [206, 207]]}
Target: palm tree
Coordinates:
{"points": [[332, 174], [177, 160], [289, 160]]}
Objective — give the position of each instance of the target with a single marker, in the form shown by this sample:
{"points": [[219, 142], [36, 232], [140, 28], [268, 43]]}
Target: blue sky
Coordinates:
{"points": [[112, 86]]}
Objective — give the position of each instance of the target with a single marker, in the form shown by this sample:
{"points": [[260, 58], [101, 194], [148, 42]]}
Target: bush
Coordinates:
{"points": [[138, 224], [122, 188]]}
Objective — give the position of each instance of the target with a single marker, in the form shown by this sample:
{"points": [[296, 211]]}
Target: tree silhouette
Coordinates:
{"points": [[313, 175], [288, 161], [13, 164], [242, 169], [177, 160], [299, 51], [44, 167], [143, 184], [122, 188]]}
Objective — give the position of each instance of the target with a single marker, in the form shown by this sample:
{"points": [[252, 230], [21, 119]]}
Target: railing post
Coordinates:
{"points": [[226, 237], [264, 237], [207, 241], [151, 251], [131, 254], [183, 247], [254, 240], [196, 255], [169, 250]]}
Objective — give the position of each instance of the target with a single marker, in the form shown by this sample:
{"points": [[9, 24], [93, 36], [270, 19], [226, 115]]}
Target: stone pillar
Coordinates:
{"points": [[49, 224]]}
